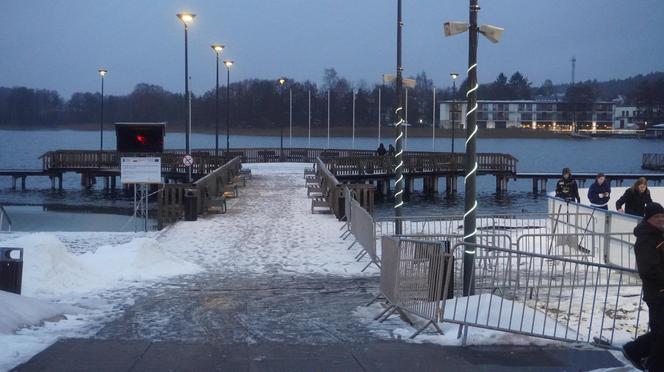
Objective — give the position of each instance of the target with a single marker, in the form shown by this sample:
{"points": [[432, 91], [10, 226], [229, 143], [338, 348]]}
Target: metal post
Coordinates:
{"points": [[228, 110], [290, 118], [433, 121], [189, 170], [405, 138], [453, 111], [469, 219], [398, 169], [379, 113], [328, 118], [101, 118], [309, 140], [216, 113], [353, 143], [186, 97]]}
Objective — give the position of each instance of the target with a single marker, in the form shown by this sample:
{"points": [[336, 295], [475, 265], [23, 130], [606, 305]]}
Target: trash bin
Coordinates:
{"points": [[11, 269], [190, 204]]}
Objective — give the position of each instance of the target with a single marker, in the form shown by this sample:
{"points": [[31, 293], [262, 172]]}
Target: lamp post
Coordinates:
{"points": [[379, 112], [186, 19], [282, 81], [309, 116], [102, 73], [290, 117], [470, 160], [454, 76], [328, 118], [228, 63], [218, 48], [353, 143], [433, 119]]}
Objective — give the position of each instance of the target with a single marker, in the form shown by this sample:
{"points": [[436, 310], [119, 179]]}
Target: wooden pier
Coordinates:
{"points": [[653, 162]]}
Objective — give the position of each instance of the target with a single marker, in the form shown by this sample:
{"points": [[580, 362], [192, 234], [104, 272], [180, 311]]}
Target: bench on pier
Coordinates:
{"points": [[219, 203], [297, 155], [329, 154], [314, 186], [309, 172], [312, 180], [321, 201], [240, 178], [246, 172]]}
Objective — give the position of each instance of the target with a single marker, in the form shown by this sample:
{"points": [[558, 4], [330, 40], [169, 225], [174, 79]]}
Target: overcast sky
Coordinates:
{"points": [[60, 44]]}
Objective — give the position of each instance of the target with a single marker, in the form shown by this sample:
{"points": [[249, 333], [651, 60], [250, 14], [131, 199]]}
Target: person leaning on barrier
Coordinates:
{"points": [[647, 351], [635, 198], [600, 192], [566, 187]]}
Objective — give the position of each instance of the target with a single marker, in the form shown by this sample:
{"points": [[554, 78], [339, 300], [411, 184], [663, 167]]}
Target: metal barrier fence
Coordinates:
{"points": [[5, 221], [556, 298], [519, 292], [362, 228], [603, 221]]}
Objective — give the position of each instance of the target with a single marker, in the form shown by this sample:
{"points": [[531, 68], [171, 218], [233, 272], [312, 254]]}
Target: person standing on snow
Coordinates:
{"points": [[600, 192], [647, 351], [566, 187]]}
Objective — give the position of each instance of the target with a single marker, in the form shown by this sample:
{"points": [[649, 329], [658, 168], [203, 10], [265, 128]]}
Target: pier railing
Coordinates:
{"points": [[343, 162], [171, 196], [653, 161]]}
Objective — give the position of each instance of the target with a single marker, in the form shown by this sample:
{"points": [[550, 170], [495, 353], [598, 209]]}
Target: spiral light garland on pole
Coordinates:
{"points": [[398, 112], [470, 160]]}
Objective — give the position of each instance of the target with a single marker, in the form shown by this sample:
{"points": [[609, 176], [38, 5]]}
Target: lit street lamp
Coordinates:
{"points": [[228, 63], [454, 76], [186, 19], [282, 81], [469, 218], [217, 48], [102, 73]]}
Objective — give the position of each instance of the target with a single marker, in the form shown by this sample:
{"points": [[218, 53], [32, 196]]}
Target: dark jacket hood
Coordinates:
{"points": [[644, 228]]}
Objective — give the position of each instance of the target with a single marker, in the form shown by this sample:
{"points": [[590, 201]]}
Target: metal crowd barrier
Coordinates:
{"points": [[362, 228], [526, 293]]}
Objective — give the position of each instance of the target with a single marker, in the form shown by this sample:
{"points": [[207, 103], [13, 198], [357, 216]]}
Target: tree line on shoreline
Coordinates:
{"points": [[259, 103]]}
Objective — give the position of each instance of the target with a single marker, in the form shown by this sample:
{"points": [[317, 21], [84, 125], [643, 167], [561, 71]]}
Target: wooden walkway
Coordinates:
{"points": [[653, 162]]}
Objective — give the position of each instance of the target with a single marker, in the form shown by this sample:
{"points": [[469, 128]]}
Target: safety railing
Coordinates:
{"points": [[603, 221], [5, 221], [556, 298], [214, 184], [362, 228], [518, 292]]}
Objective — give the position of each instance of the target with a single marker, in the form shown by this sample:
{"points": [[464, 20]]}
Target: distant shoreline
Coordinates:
{"points": [[362, 132]]}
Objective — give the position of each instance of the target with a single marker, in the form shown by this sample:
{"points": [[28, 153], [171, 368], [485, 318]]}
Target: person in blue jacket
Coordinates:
{"points": [[600, 192]]}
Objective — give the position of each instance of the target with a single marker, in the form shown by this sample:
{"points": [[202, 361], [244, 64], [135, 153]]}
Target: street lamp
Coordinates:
{"points": [[398, 156], [282, 81], [228, 63], [469, 217], [102, 73], [217, 48], [454, 76], [187, 18]]}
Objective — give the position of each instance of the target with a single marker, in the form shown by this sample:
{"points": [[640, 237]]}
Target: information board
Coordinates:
{"points": [[140, 170]]}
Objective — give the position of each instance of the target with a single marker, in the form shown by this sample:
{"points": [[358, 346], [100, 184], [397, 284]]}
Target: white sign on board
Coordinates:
{"points": [[140, 170]]}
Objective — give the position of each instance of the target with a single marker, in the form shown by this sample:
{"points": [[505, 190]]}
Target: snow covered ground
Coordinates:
{"points": [[73, 283]]}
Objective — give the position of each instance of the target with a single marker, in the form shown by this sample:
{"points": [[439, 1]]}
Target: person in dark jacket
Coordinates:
{"points": [[647, 351], [600, 192], [391, 150], [381, 150], [566, 187], [635, 198]]}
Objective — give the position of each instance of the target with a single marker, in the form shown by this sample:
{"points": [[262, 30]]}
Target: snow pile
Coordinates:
{"points": [[50, 270], [18, 312]]}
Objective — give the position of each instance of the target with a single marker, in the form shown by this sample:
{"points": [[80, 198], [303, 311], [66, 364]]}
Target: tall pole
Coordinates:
{"points": [[216, 112], [187, 102], [379, 112], [228, 110], [470, 203], [433, 120], [309, 116], [453, 111], [290, 118], [353, 144], [405, 138], [101, 116], [328, 118], [398, 169]]}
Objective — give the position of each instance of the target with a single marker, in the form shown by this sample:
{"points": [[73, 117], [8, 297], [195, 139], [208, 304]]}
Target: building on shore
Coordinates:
{"points": [[535, 114], [625, 117]]}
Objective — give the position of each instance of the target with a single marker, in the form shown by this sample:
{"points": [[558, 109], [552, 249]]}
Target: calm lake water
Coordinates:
{"points": [[21, 149]]}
